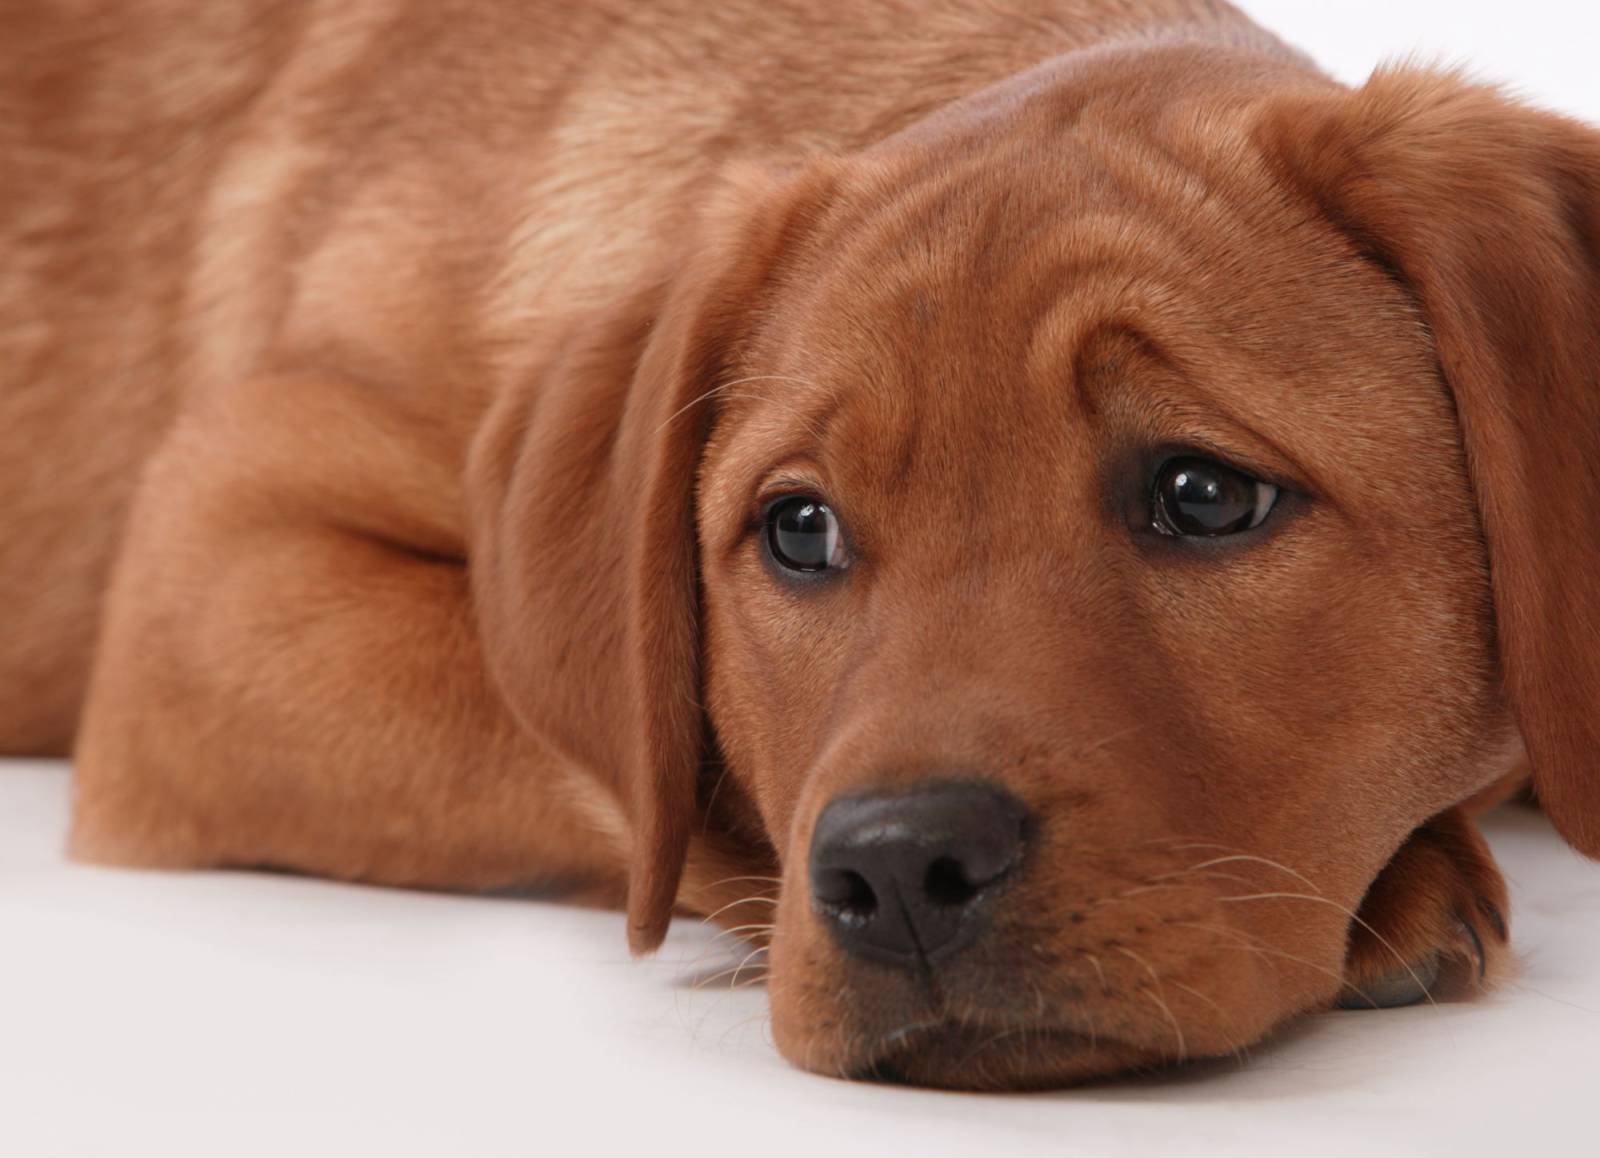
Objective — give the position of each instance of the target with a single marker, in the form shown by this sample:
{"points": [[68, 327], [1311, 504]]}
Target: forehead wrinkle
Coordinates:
{"points": [[1108, 271], [1195, 173], [918, 239], [1208, 303], [1139, 252], [1187, 396], [895, 421], [989, 209], [877, 429], [995, 235], [879, 210], [931, 207], [1138, 164]]}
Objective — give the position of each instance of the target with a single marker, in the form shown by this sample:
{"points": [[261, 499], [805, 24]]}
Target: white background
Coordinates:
{"points": [[233, 1015]]}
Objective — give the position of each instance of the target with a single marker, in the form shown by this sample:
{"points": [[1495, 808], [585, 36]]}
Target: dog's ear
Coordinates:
{"points": [[1489, 211], [583, 553]]}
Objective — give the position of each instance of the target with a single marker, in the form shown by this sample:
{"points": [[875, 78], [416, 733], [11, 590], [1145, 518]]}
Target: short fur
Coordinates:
{"points": [[389, 391]]}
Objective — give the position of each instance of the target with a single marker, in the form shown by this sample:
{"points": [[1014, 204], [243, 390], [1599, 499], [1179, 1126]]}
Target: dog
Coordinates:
{"points": [[1050, 517]]}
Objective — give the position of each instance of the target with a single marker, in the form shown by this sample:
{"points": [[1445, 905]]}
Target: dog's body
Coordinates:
{"points": [[404, 321], [421, 198]]}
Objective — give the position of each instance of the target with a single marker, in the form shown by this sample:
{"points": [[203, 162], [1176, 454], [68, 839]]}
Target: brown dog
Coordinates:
{"points": [[1054, 503]]}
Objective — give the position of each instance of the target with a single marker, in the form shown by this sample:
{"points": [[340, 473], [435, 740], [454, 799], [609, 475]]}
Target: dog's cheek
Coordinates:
{"points": [[766, 678], [812, 1025]]}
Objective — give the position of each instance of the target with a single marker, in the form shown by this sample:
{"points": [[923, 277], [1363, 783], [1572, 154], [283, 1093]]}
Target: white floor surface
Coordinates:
{"points": [[228, 1015]]}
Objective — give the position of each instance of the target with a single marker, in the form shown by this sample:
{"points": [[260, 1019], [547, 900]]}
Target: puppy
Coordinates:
{"points": [[1048, 515]]}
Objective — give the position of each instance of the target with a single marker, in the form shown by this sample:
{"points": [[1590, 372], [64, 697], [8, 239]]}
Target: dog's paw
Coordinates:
{"points": [[1433, 925]]}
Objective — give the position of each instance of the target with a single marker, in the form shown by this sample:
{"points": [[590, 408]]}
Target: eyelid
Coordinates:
{"points": [[788, 480], [1208, 426], [1244, 463], [782, 486], [773, 489]]}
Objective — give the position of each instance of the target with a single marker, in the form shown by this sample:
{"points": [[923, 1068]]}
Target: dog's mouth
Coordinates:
{"points": [[976, 1057]]}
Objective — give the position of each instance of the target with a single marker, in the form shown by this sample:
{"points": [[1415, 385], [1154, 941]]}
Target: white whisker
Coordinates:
{"points": [[1160, 1000], [742, 901], [737, 880], [1353, 916], [754, 953], [727, 386], [740, 930], [1283, 868], [1249, 944]]}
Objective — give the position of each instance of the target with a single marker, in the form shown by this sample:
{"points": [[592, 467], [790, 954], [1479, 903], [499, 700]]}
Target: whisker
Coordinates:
{"points": [[1153, 886], [1001, 1036], [1353, 916], [754, 953], [711, 803], [740, 1024], [734, 970], [896, 1038], [726, 386], [1283, 868], [1104, 742], [740, 930], [742, 901], [688, 406], [1177, 1031], [1241, 1056], [1094, 1030], [1184, 844], [1250, 944], [737, 880], [1160, 1000], [1105, 989]]}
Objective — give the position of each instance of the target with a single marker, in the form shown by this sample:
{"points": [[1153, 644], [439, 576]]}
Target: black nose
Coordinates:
{"points": [[909, 878]]}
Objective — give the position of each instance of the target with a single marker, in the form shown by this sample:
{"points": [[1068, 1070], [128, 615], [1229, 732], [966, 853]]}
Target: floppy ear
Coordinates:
{"points": [[1489, 211], [583, 553]]}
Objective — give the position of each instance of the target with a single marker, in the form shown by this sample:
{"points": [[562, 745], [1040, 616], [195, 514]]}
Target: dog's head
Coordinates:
{"points": [[1075, 543]]}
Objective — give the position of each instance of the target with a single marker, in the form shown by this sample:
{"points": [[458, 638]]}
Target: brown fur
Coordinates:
{"points": [[423, 368]]}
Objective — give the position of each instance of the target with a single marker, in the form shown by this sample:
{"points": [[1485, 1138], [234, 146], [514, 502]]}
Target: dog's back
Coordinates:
{"points": [[109, 114], [422, 195]]}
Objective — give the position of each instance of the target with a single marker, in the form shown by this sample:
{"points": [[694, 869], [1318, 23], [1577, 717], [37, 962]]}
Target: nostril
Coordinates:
{"points": [[946, 883], [846, 893], [912, 876]]}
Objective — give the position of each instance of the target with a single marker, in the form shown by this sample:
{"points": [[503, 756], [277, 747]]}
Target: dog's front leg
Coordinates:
{"points": [[1433, 925], [290, 671]]}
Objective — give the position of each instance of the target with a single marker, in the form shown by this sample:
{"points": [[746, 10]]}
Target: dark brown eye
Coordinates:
{"points": [[803, 535], [1198, 498]]}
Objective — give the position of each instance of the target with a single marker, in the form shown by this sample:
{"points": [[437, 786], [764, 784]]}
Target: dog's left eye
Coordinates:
{"points": [[1198, 498], [803, 534]]}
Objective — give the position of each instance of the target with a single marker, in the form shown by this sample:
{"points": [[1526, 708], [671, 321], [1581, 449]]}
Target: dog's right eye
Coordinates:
{"points": [[1199, 498], [803, 535]]}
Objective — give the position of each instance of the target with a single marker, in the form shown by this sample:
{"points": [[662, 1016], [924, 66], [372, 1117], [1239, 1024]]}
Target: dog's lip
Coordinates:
{"points": [[950, 1052]]}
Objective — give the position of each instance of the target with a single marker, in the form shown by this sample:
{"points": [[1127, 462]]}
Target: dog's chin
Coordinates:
{"points": [[956, 1056]]}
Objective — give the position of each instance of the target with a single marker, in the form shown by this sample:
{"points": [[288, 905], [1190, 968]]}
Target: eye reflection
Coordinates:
{"points": [[1200, 498], [804, 535]]}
